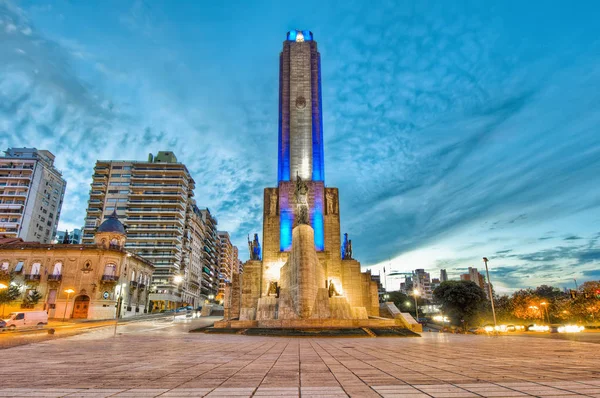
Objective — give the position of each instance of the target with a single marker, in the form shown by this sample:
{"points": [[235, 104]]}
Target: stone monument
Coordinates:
{"points": [[305, 277]]}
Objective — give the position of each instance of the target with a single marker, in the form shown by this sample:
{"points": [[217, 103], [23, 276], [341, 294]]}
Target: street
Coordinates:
{"points": [[160, 358]]}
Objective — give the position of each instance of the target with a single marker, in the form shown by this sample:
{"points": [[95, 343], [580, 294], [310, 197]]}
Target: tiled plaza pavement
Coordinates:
{"points": [[169, 364]]}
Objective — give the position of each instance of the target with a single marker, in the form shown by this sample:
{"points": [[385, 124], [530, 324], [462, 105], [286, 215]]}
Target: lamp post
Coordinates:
{"points": [[487, 273], [537, 309], [69, 292], [177, 279], [2, 287], [415, 294]]}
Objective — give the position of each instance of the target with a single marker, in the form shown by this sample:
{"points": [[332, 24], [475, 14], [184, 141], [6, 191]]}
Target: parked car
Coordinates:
{"points": [[185, 309], [2, 324], [26, 319]]}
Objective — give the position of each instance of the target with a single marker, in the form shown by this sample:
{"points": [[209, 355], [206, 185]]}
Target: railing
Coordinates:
{"points": [[110, 278], [141, 286], [133, 284], [32, 277], [54, 278]]}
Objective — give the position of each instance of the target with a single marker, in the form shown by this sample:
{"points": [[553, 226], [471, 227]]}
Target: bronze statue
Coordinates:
{"points": [[254, 248], [301, 199], [273, 289]]}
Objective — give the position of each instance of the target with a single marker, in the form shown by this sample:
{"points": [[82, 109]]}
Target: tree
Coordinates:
{"points": [[32, 298], [8, 295], [461, 301], [401, 300]]}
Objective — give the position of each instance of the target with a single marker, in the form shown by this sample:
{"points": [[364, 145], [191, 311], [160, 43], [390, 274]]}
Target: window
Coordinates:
{"points": [[19, 266], [110, 269], [124, 192], [35, 268], [19, 316], [57, 269], [133, 276], [4, 266]]}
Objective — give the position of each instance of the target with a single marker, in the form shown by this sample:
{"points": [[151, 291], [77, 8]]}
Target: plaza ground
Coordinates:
{"points": [[160, 358]]}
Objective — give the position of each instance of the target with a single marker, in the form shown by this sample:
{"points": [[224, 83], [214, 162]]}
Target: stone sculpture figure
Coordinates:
{"points": [[301, 199], [332, 290], [330, 207], [273, 203]]}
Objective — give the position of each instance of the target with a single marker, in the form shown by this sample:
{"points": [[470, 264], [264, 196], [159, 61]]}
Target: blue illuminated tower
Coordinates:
{"points": [[301, 129], [300, 110]]}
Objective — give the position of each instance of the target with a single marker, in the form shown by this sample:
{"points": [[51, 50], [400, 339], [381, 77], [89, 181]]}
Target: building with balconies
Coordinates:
{"points": [[153, 198], [210, 257], [226, 263], [31, 194], [94, 281]]}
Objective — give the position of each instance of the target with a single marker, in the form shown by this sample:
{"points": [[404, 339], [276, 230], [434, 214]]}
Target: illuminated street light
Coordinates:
{"points": [[415, 294], [69, 292], [3, 286]]}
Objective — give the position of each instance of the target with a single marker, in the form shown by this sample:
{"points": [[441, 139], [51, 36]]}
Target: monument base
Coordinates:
{"points": [[375, 323]]}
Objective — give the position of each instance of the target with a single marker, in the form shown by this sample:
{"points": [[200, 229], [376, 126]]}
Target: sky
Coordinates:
{"points": [[454, 130]]}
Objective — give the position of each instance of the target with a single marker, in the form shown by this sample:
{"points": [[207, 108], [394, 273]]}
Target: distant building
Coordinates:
{"points": [[443, 275], [210, 259], [474, 276], [74, 237], [422, 282], [31, 194]]}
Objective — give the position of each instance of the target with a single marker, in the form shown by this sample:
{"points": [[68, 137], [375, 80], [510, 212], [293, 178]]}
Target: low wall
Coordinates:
{"points": [[310, 323]]}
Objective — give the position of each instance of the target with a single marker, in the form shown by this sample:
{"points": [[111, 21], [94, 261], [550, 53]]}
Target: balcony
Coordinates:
{"points": [[133, 284], [141, 286], [54, 278], [110, 278], [32, 277]]}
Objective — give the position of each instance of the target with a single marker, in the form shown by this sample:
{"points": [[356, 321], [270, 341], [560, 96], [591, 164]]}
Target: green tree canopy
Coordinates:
{"points": [[460, 300]]}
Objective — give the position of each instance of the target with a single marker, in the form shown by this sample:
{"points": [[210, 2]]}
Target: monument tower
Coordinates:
{"points": [[304, 275]]}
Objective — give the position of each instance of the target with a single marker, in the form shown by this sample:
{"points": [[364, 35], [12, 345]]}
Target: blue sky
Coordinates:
{"points": [[454, 130]]}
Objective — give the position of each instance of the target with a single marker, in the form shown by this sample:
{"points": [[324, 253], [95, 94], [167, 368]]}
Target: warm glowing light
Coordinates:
{"points": [[539, 328], [441, 318], [570, 329], [69, 291], [3, 286], [416, 292], [489, 329], [178, 279], [543, 303]]}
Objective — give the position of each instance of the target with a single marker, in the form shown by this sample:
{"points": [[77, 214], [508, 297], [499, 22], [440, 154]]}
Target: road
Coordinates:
{"points": [[179, 323]]}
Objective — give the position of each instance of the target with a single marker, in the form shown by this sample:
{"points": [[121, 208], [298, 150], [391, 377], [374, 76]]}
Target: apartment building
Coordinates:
{"points": [[154, 200], [200, 281], [225, 262], [31, 194], [474, 276], [210, 260], [422, 282]]}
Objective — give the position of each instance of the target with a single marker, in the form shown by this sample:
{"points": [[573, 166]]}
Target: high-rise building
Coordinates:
{"points": [[154, 200], [31, 194], [443, 275], [74, 236], [211, 254], [226, 264]]}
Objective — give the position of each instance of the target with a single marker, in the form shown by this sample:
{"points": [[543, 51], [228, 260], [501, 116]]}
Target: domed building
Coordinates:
{"points": [[97, 281]]}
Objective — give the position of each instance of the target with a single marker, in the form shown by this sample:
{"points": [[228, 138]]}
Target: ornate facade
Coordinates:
{"points": [[104, 278]]}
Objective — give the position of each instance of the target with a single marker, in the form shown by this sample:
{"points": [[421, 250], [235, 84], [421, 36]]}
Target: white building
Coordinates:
{"points": [[31, 194]]}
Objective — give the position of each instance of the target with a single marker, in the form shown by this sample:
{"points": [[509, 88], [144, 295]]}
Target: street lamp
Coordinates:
{"points": [[177, 279], [487, 272], [69, 292], [2, 287], [415, 294]]}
